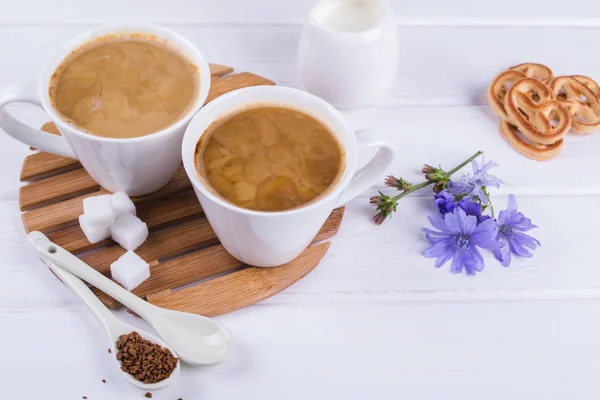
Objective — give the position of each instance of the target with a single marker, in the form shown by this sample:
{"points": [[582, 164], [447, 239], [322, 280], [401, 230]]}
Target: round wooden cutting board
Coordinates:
{"points": [[190, 270]]}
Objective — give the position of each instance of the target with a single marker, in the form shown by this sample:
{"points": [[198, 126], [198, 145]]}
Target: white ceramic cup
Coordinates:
{"points": [[136, 165], [268, 239]]}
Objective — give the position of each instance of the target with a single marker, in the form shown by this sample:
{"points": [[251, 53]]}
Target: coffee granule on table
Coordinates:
{"points": [[109, 351], [148, 395], [146, 361], [103, 380]]}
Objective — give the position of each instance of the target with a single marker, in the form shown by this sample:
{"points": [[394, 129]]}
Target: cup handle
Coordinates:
{"points": [[24, 133], [367, 175]]}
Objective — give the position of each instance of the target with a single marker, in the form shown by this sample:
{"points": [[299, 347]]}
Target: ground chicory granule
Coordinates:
{"points": [[146, 361]]}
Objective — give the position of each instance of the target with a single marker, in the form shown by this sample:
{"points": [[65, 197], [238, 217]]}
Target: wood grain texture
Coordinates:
{"points": [[220, 86], [59, 215], [182, 248], [56, 216], [181, 239], [205, 263], [219, 70], [156, 215], [50, 128], [331, 226], [250, 285], [181, 271], [56, 188], [170, 210], [41, 165], [162, 244]]}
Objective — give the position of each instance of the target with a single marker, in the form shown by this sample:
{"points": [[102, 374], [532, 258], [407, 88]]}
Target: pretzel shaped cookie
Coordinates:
{"points": [[580, 100], [541, 119], [497, 91], [537, 71], [539, 152]]}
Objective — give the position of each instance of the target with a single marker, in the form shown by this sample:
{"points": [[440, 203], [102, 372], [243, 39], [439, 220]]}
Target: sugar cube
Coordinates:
{"points": [[93, 232], [99, 210], [130, 270], [129, 231], [122, 204]]}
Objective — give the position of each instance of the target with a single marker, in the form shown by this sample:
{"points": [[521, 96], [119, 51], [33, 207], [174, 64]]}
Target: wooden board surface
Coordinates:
{"points": [[190, 270]]}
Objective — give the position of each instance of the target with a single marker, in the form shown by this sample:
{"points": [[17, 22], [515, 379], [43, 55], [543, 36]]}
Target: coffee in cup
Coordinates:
{"points": [[123, 87], [269, 158]]}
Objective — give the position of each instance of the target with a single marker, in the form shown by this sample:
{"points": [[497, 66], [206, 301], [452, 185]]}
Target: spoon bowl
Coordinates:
{"points": [[202, 343], [154, 339]]}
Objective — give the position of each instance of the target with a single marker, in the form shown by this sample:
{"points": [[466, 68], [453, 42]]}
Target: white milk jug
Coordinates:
{"points": [[348, 51]]}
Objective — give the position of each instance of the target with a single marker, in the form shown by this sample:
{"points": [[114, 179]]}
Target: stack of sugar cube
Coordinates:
{"points": [[114, 215]]}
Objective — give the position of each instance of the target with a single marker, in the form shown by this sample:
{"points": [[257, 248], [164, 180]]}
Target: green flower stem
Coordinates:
{"points": [[413, 189], [448, 174], [487, 196], [459, 166]]}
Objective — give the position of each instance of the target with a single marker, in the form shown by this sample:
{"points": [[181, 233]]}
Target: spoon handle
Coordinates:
{"points": [[78, 287], [62, 258]]}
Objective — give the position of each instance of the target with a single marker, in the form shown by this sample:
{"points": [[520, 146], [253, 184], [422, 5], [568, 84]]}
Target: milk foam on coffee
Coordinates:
{"points": [[124, 88]]}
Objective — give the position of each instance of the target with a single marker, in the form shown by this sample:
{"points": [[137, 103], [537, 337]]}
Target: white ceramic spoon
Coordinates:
{"points": [[114, 326], [196, 339]]}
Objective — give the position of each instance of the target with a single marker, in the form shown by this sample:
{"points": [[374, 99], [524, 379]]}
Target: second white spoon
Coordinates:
{"points": [[196, 339], [114, 326]]}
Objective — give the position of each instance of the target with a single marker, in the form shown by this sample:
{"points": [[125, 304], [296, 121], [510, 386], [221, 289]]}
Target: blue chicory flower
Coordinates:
{"points": [[457, 238], [447, 203], [482, 218], [511, 224], [470, 208], [473, 185]]}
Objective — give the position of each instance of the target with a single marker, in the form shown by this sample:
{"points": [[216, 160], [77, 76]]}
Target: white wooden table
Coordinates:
{"points": [[375, 320]]}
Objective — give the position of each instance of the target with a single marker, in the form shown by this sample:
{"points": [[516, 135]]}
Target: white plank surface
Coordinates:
{"points": [[439, 65], [533, 350], [430, 351], [375, 320], [409, 12]]}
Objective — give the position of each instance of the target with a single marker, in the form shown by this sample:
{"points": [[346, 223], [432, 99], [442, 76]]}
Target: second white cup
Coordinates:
{"points": [[269, 239]]}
